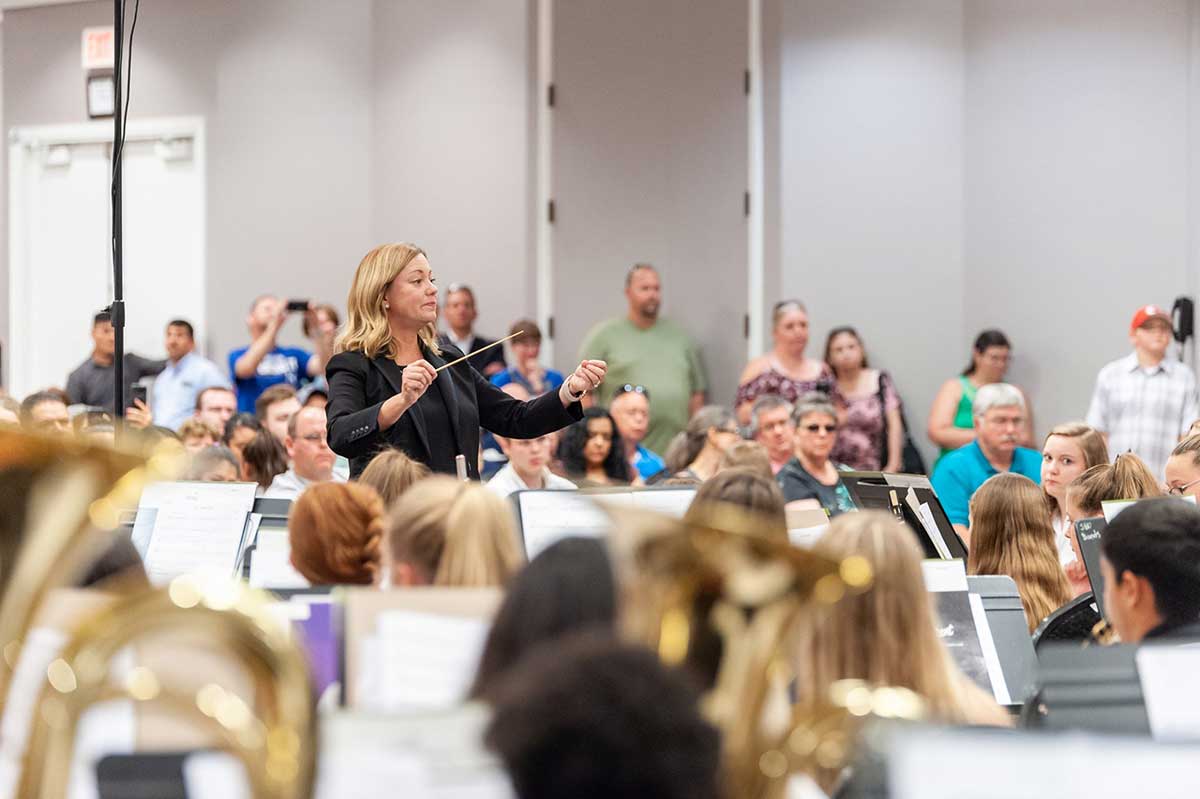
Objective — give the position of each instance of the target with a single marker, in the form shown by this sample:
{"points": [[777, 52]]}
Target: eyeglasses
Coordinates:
{"points": [[816, 428], [1177, 491], [629, 387]]}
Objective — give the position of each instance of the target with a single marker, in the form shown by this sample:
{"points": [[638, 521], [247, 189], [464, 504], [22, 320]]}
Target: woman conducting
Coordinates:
{"points": [[385, 390]]}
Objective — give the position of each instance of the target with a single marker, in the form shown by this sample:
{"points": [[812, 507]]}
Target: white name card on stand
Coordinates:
{"points": [[198, 528], [1168, 677]]}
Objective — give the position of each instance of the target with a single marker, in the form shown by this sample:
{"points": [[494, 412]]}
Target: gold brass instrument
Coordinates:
{"points": [[717, 596], [59, 503], [274, 740]]}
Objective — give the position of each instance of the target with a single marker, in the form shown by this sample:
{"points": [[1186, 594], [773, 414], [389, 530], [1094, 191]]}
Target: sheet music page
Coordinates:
{"points": [[430, 659], [438, 755], [991, 658], [673, 502], [198, 528], [549, 516], [271, 562], [1168, 677], [925, 514]]}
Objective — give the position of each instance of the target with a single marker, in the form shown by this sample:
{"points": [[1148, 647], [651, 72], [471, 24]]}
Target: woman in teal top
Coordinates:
{"points": [[951, 422]]}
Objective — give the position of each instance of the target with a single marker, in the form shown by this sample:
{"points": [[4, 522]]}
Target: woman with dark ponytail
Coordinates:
{"points": [[951, 420]]}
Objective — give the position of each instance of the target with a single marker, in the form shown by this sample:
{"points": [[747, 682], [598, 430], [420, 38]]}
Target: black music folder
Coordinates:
{"points": [[1087, 533]]}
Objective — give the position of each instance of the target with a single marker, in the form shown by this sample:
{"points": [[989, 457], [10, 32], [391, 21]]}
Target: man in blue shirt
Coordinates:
{"points": [[183, 378], [630, 409], [999, 412], [264, 363]]}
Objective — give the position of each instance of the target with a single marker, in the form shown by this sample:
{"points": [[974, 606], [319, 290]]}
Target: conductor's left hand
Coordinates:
{"points": [[587, 377]]}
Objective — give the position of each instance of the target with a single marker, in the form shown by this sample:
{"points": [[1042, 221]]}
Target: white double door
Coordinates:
{"points": [[60, 253]]}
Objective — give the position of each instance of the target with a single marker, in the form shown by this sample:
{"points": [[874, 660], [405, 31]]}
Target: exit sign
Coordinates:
{"points": [[97, 52]]}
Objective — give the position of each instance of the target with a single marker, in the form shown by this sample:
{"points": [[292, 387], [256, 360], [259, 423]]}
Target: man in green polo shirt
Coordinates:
{"points": [[642, 349]]}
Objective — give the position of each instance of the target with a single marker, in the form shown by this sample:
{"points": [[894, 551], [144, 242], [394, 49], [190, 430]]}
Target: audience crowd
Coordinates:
{"points": [[798, 424]]}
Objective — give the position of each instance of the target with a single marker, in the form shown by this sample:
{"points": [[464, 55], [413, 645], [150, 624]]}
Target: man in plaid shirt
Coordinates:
{"points": [[1145, 402]]}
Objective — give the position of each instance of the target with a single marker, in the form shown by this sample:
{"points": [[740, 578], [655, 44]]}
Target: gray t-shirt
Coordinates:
{"points": [[92, 384]]}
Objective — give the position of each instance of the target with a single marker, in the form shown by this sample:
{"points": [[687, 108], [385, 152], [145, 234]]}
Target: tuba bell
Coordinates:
{"points": [[59, 510], [720, 596], [273, 738]]}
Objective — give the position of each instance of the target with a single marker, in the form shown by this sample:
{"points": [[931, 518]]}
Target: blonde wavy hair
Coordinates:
{"points": [[1127, 477], [1011, 534], [454, 534], [366, 328], [887, 635]]}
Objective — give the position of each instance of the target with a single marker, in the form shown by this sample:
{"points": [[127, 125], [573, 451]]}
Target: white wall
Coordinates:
{"points": [[650, 166], [1077, 182], [331, 127], [870, 108], [946, 167], [451, 169]]}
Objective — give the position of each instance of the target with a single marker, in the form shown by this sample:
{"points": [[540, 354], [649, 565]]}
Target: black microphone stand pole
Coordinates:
{"points": [[117, 308]]}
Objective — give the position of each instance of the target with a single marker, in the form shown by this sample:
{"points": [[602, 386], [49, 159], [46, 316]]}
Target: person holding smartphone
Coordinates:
{"points": [[91, 383], [264, 363]]}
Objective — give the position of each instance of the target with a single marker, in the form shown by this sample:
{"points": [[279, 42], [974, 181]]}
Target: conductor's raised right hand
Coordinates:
{"points": [[418, 377]]}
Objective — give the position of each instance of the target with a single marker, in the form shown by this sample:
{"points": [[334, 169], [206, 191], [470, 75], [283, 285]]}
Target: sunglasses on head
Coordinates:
{"points": [[629, 387], [816, 428]]}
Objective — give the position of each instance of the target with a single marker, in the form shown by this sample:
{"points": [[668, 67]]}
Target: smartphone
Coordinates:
{"points": [[297, 305], [136, 392]]}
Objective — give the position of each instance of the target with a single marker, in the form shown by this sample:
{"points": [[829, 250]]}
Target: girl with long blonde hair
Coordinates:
{"points": [[450, 533], [1011, 534], [888, 634], [392, 385]]}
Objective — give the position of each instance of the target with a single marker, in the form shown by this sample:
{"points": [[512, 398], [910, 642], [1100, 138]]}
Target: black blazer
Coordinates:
{"points": [[358, 386]]}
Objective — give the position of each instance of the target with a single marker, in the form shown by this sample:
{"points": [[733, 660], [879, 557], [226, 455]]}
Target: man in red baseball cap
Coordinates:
{"points": [[1145, 402]]}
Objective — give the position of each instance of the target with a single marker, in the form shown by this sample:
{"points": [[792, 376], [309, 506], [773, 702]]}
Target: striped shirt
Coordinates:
{"points": [[1144, 410]]}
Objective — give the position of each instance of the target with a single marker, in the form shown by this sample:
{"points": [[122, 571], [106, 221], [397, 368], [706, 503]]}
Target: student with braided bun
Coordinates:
{"points": [[336, 533]]}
